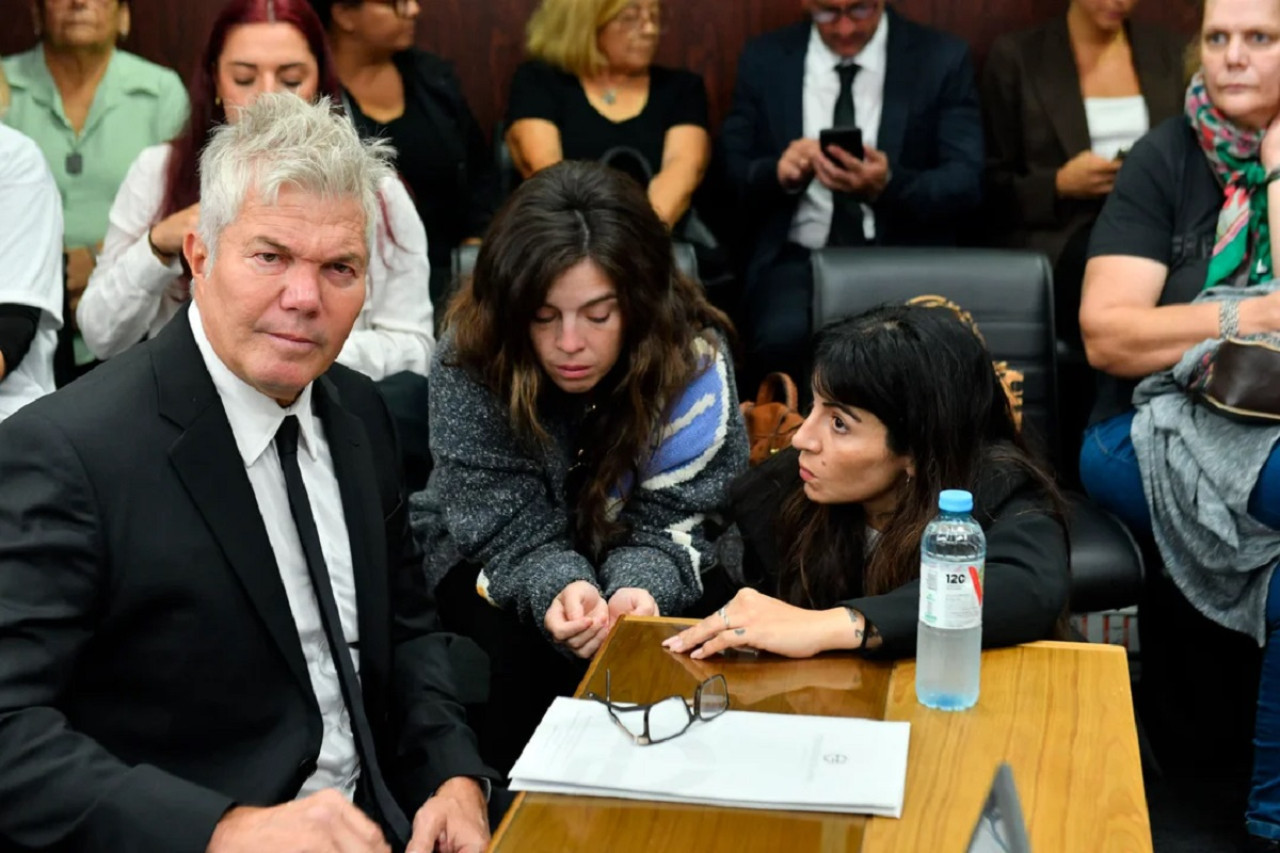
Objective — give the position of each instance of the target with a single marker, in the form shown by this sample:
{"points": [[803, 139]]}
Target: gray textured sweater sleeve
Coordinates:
{"points": [[494, 501], [702, 448]]}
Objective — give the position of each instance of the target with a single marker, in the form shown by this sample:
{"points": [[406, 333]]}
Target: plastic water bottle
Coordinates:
{"points": [[949, 637]]}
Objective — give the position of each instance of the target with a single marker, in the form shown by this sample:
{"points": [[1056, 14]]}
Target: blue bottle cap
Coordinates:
{"points": [[955, 500]]}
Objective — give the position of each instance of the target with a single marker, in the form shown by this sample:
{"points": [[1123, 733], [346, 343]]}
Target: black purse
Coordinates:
{"points": [[1241, 380]]}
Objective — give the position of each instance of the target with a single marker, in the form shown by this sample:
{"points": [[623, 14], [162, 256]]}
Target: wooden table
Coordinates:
{"points": [[1060, 713]]}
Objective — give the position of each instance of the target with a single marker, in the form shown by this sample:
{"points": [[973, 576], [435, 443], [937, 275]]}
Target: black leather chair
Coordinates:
{"points": [[1010, 295], [464, 262]]}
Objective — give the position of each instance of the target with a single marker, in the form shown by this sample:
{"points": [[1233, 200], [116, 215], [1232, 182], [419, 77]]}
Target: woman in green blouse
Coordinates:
{"points": [[91, 108]]}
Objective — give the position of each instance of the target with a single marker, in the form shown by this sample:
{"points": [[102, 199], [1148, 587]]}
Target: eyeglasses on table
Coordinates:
{"points": [[650, 723]]}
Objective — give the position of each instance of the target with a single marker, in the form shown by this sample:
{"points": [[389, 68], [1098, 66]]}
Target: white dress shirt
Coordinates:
{"points": [[811, 224], [254, 420], [30, 262], [1115, 123], [132, 295]]}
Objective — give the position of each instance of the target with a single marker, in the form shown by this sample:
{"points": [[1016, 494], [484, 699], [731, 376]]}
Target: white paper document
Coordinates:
{"points": [[741, 758]]}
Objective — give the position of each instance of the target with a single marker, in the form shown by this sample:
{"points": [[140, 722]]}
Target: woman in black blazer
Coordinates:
{"points": [[413, 98], [906, 404], [1062, 104]]}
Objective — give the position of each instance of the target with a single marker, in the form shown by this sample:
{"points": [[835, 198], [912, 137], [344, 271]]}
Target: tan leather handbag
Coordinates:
{"points": [[772, 419]]}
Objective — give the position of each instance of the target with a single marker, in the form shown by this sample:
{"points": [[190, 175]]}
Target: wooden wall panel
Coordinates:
{"points": [[484, 37]]}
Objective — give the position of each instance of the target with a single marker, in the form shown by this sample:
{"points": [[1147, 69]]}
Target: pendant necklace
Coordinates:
{"points": [[610, 96]]}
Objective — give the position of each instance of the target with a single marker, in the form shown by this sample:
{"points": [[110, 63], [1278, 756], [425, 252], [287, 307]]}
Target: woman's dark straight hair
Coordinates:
{"points": [[929, 379], [569, 213]]}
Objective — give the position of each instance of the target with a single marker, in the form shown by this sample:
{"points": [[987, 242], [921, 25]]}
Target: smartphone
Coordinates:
{"points": [[848, 138]]}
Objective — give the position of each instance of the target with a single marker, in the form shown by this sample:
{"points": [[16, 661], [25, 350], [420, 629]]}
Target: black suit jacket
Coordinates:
{"points": [[463, 202], [1028, 575], [1035, 123], [930, 129], [151, 674]]}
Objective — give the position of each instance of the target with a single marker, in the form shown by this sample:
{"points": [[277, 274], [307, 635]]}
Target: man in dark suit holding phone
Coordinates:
{"points": [[903, 100], [214, 633]]}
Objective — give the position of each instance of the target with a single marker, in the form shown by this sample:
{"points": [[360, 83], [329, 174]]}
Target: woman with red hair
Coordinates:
{"points": [[141, 283]]}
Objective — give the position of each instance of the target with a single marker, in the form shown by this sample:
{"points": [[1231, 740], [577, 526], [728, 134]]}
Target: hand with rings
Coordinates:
{"points": [[755, 620]]}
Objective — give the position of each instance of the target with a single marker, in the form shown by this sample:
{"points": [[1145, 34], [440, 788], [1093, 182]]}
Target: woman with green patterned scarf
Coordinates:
{"points": [[1181, 257]]}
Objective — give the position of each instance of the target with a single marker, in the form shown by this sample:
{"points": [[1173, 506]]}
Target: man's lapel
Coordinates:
{"points": [[1058, 83], [208, 463], [354, 466], [900, 73]]}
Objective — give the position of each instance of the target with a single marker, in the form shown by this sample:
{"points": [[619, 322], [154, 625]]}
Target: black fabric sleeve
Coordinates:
{"points": [[921, 198], [18, 324], [1027, 584], [755, 499], [482, 171], [686, 102], [433, 742], [750, 155], [1020, 194], [59, 788], [537, 91], [1138, 217]]}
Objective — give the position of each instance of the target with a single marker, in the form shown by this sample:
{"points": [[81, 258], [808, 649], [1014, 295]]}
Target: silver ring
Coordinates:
{"points": [[727, 626]]}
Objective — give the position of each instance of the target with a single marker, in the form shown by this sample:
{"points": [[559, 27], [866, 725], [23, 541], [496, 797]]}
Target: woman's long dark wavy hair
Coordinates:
{"points": [[568, 213], [182, 177], [929, 379]]}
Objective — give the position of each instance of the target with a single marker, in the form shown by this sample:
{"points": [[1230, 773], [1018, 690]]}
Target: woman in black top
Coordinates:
{"points": [[1063, 103], [1196, 208], [413, 98], [906, 404], [591, 92]]}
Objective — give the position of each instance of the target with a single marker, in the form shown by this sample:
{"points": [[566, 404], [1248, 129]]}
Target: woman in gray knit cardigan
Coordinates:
{"points": [[584, 426]]}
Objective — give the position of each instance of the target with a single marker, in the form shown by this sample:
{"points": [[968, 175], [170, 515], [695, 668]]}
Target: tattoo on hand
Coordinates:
{"points": [[739, 631]]}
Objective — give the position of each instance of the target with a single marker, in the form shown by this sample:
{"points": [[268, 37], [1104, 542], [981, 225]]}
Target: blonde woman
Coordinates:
{"points": [[590, 91]]}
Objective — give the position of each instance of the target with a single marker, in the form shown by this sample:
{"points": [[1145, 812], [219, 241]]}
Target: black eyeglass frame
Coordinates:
{"points": [[692, 707]]}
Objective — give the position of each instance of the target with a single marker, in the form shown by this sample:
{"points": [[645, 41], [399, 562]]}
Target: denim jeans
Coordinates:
{"points": [[1110, 474], [1262, 817]]}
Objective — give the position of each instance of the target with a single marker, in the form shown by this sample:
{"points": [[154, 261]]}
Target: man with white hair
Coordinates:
{"points": [[214, 633]]}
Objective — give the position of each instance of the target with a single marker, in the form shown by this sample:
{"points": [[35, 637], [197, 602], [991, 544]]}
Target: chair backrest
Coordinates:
{"points": [[464, 262], [1009, 293]]}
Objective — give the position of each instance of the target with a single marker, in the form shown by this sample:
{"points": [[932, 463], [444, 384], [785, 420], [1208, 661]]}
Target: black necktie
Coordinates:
{"points": [[300, 507], [846, 215]]}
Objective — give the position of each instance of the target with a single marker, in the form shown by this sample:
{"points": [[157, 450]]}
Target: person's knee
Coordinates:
{"points": [[1113, 480]]}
